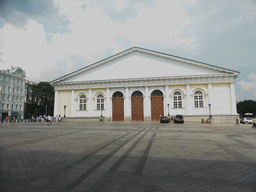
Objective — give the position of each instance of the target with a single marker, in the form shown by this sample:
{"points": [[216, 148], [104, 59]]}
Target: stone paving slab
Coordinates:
{"points": [[127, 156]]}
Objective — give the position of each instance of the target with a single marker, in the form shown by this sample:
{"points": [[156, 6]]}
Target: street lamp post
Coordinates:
{"points": [[101, 112], [168, 109], [210, 110], [65, 110]]}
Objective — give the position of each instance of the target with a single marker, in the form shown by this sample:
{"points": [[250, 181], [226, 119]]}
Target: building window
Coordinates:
{"points": [[14, 81], [17, 91], [9, 97], [13, 98], [2, 105], [7, 106], [12, 106], [9, 89], [16, 107], [4, 97], [177, 100], [82, 103], [13, 90], [20, 107], [198, 99], [4, 88], [100, 102]]}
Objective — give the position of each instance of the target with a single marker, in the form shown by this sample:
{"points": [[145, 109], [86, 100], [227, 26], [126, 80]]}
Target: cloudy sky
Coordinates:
{"points": [[50, 38]]}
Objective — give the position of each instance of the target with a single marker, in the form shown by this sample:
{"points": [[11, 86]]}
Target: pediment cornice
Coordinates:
{"points": [[146, 51]]}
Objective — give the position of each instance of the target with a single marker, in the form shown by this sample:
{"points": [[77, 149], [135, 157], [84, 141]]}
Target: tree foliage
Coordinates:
{"points": [[42, 102], [246, 106]]}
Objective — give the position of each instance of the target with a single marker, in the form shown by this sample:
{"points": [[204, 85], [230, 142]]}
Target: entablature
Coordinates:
{"points": [[145, 82]]}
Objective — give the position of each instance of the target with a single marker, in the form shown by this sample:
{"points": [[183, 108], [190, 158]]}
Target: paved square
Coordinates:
{"points": [[127, 156]]}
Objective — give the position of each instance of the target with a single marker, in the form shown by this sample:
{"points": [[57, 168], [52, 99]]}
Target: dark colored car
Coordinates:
{"points": [[178, 119], [164, 119]]}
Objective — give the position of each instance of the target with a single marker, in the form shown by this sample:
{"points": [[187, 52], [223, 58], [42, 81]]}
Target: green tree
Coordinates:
{"points": [[246, 106], [43, 98]]}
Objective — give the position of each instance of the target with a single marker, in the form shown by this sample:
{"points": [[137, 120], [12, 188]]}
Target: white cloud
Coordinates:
{"points": [[119, 4], [92, 33], [252, 76], [247, 87]]}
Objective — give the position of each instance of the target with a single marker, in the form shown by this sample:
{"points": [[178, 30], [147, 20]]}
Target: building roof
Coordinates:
{"points": [[147, 51]]}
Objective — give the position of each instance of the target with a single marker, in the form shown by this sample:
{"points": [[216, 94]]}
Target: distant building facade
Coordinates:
{"points": [[143, 85], [12, 92]]}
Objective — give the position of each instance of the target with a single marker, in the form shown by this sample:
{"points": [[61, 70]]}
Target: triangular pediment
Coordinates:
{"points": [[138, 63]]}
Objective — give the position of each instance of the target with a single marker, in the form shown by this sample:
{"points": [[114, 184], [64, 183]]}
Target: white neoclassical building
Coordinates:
{"points": [[143, 85]]}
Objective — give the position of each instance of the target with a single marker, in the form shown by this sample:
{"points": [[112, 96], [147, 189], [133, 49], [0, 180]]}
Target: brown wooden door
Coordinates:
{"points": [[118, 108], [137, 109], [157, 108]]}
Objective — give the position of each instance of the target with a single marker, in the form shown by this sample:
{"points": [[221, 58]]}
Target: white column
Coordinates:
{"points": [[56, 103], [127, 104], [107, 109], [90, 103], [166, 100], [233, 99], [72, 103], [188, 100], [147, 104]]}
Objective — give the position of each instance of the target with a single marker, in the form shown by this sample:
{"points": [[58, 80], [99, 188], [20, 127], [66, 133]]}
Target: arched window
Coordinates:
{"points": [[177, 100], [100, 102], [198, 99], [82, 103]]}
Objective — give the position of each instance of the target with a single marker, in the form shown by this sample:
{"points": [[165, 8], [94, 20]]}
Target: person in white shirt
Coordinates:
{"points": [[49, 120], [60, 119]]}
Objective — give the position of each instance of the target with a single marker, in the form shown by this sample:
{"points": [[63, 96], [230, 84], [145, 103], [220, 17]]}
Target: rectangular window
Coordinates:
{"points": [[2, 105], [9, 89], [7, 106], [20, 107], [4, 97], [4, 88], [12, 106], [16, 107]]}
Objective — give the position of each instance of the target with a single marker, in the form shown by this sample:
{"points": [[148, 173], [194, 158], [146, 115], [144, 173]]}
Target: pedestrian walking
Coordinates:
{"points": [[60, 119], [6, 120], [254, 122], [49, 120], [13, 119], [237, 121], [56, 120]]}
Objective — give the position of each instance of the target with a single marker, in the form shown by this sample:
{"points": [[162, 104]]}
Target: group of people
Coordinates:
{"points": [[253, 122], [58, 120], [6, 120]]}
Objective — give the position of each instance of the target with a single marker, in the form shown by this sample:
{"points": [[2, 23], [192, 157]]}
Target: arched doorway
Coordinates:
{"points": [[137, 106], [118, 106], [157, 105]]}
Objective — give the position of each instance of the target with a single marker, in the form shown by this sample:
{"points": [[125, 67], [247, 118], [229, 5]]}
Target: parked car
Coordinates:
{"points": [[246, 120], [164, 119], [178, 119]]}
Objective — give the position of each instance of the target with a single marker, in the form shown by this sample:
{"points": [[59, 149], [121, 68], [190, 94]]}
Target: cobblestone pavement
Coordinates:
{"points": [[127, 156]]}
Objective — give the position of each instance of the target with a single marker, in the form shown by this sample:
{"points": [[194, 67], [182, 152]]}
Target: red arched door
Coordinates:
{"points": [[118, 107], [157, 105], [137, 106]]}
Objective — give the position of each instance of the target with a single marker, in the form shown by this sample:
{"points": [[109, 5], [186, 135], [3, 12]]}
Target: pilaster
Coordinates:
{"points": [[233, 99], [56, 103]]}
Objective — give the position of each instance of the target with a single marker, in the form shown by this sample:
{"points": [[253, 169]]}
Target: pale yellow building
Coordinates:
{"points": [[143, 85]]}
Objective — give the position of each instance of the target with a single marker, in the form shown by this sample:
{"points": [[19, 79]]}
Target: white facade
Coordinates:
{"points": [[12, 92], [188, 87]]}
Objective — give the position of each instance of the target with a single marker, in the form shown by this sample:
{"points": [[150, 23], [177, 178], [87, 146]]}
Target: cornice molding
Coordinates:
{"points": [[145, 82]]}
